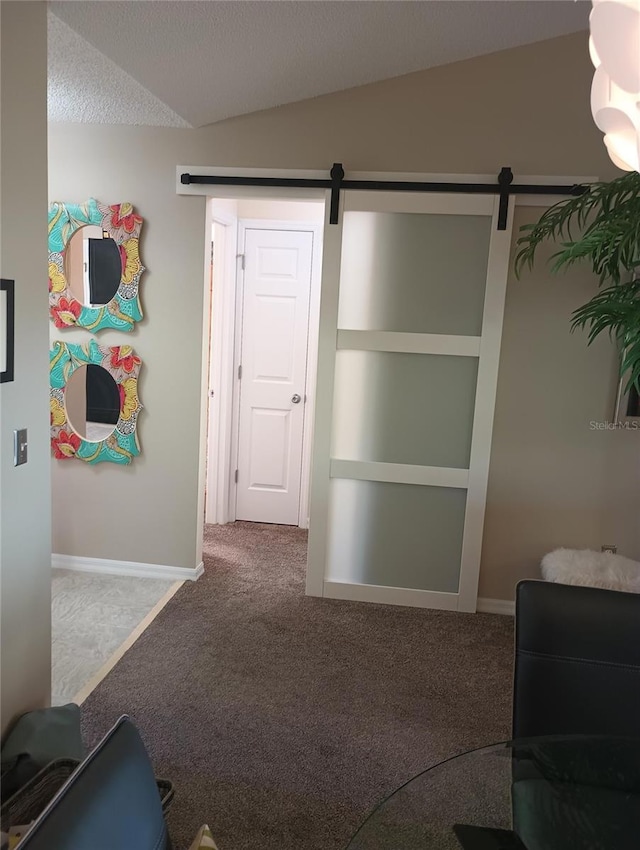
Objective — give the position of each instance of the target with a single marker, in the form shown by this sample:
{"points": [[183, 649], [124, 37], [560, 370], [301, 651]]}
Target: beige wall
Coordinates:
{"points": [[528, 108], [281, 210], [555, 479], [147, 510], [25, 507]]}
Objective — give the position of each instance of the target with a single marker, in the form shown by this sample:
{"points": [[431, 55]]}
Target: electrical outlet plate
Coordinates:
{"points": [[20, 447]]}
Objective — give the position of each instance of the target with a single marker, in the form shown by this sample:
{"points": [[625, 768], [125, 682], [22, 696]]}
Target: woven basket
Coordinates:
{"points": [[27, 803]]}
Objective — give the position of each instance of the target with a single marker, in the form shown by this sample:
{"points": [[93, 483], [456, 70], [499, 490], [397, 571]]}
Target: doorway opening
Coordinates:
{"points": [[263, 292], [414, 279]]}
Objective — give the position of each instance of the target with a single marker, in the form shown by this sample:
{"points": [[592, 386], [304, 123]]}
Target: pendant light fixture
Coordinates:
{"points": [[614, 47]]}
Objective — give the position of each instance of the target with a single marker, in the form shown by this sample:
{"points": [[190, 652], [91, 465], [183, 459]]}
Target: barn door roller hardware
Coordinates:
{"points": [[504, 187]]}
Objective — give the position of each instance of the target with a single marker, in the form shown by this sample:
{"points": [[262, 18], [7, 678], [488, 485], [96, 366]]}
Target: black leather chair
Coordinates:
{"points": [[110, 802], [577, 668]]}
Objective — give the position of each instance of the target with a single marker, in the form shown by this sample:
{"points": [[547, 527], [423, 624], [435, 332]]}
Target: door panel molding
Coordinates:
{"points": [[391, 595], [412, 202], [325, 378], [409, 343], [487, 386], [400, 473]]}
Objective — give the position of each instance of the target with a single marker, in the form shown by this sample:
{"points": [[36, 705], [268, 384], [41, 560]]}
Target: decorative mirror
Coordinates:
{"points": [[94, 402], [94, 266]]}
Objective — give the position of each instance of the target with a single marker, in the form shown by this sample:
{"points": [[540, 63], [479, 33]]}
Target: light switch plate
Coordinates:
{"points": [[20, 447]]}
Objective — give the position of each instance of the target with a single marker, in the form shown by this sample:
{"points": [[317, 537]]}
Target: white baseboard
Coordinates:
{"points": [[125, 568], [497, 606], [355, 592]]}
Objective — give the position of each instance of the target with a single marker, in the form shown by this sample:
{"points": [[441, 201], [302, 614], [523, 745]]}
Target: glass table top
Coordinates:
{"points": [[559, 793]]}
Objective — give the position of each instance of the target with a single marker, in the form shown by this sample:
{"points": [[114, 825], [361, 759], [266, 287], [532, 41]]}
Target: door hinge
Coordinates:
{"points": [[240, 372], [235, 477], [242, 261]]}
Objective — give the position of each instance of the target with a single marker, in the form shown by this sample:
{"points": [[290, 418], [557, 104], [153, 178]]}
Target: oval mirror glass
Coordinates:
{"points": [[93, 266], [92, 400]]}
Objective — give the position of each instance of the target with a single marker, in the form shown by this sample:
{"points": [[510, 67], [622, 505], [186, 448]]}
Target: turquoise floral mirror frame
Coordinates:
{"points": [[123, 225], [123, 365]]}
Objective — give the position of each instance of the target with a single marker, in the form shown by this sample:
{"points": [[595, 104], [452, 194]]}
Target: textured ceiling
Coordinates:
{"points": [[209, 60], [85, 86]]}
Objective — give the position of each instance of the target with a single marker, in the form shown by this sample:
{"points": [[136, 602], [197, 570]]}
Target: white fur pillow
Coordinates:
{"points": [[595, 569]]}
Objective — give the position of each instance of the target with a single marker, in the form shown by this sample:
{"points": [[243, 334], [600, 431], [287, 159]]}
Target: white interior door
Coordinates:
{"points": [[221, 365], [411, 324], [273, 363]]}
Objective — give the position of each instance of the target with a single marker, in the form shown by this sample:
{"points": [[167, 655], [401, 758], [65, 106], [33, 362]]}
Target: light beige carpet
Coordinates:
{"points": [[91, 617]]}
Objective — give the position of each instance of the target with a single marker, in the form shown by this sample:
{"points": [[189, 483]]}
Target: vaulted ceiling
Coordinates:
{"points": [[193, 62]]}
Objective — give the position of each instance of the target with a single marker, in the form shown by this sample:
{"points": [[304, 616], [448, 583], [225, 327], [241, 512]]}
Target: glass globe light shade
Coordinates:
{"points": [[614, 48]]}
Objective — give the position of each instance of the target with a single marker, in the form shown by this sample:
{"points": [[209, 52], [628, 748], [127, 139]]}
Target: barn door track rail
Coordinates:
{"points": [[504, 187]]}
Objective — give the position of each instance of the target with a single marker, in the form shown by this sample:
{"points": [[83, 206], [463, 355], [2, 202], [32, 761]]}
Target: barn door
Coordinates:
{"points": [[411, 323]]}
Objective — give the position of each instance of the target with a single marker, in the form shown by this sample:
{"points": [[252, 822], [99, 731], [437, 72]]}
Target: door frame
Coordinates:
{"points": [[328, 297], [228, 409], [219, 355]]}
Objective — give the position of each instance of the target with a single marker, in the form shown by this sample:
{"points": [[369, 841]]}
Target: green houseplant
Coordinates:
{"points": [[606, 223]]}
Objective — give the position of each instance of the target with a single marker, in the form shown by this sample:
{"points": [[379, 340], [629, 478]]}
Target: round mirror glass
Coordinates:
{"points": [[92, 399], [93, 266]]}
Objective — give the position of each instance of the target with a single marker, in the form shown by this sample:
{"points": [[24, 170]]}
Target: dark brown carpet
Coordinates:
{"points": [[282, 719]]}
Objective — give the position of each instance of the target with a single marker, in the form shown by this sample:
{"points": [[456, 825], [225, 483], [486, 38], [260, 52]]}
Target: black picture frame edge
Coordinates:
{"points": [[625, 398], [8, 286]]}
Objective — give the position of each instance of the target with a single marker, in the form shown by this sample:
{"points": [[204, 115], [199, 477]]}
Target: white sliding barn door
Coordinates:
{"points": [[273, 358], [411, 323]]}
